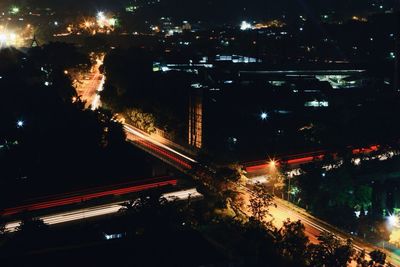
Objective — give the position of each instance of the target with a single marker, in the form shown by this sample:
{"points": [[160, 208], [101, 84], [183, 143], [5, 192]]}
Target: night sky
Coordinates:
{"points": [[219, 9]]}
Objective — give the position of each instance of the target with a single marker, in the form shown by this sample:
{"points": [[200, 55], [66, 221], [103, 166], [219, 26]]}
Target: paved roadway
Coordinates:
{"points": [[88, 89], [314, 227], [101, 210], [162, 151], [90, 194]]}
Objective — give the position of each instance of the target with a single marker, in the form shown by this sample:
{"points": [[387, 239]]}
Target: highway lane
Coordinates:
{"points": [[101, 210], [295, 160], [158, 149], [81, 196]]}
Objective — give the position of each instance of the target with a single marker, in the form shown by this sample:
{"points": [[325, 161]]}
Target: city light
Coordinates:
{"points": [[264, 116], [12, 37], [14, 10], [8, 38], [105, 21], [272, 163], [20, 123], [100, 15], [245, 26], [393, 220], [357, 161]]}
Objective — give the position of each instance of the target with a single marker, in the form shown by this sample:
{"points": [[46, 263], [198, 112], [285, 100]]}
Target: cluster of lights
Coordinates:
{"points": [[101, 23], [394, 224], [14, 10], [245, 26], [393, 220], [269, 24], [104, 21], [8, 38]]}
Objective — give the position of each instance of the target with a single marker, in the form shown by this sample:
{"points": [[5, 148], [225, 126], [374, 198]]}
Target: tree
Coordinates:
{"points": [[31, 232], [3, 230], [228, 174], [142, 120], [360, 258], [278, 182], [330, 251], [146, 202], [260, 201], [309, 183], [59, 56], [292, 241], [146, 210], [378, 258], [31, 226]]}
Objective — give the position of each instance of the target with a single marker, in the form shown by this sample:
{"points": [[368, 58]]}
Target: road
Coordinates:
{"points": [[101, 210], [90, 194], [167, 154], [295, 160], [89, 87], [314, 227]]}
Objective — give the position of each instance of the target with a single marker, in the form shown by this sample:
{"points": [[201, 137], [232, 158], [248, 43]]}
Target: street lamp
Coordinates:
{"points": [[393, 220], [264, 116], [272, 163], [20, 123]]}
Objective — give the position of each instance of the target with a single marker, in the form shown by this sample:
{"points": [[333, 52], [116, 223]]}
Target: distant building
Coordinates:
{"points": [[195, 138]]}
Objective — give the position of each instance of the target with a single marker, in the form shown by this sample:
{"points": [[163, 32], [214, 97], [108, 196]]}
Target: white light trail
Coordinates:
{"points": [[82, 214], [133, 131], [182, 195]]}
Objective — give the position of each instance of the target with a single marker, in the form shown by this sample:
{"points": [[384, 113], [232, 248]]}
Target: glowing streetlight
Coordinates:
{"points": [[273, 163], [393, 220], [112, 22], [8, 38], [100, 15], [264, 115], [3, 38], [245, 26], [20, 123], [14, 10]]}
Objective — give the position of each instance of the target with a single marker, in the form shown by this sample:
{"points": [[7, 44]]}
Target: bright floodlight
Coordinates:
{"points": [[393, 220], [272, 163], [264, 115], [245, 26], [3, 37], [100, 15], [14, 10], [112, 21], [8, 38], [20, 123]]}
